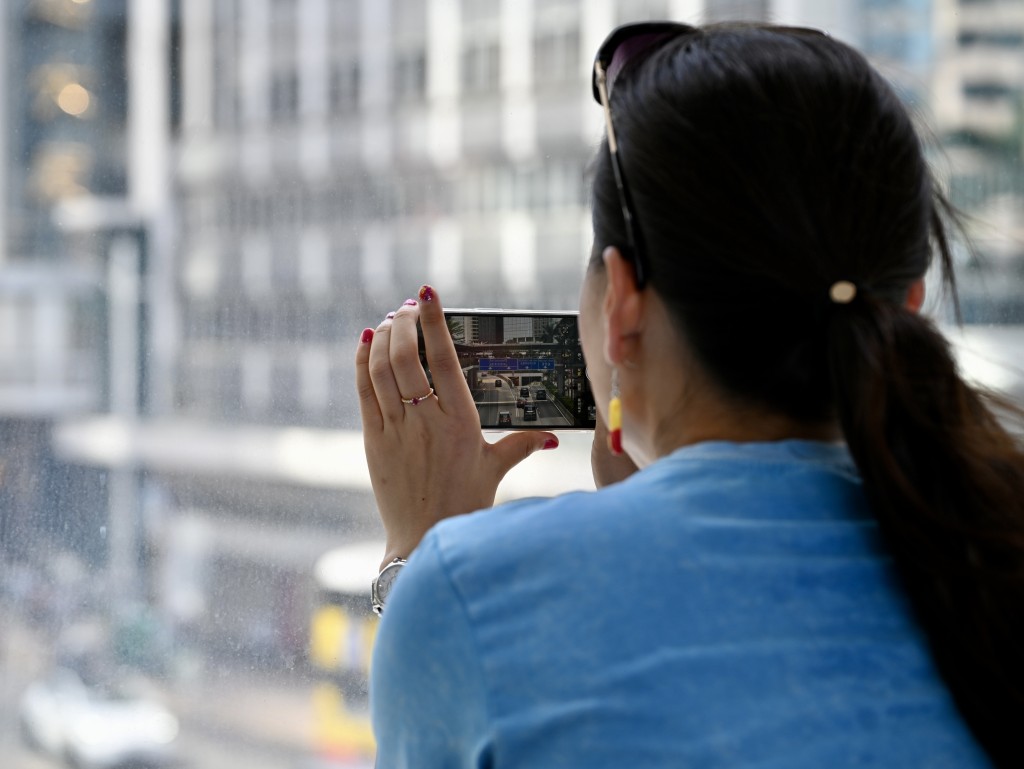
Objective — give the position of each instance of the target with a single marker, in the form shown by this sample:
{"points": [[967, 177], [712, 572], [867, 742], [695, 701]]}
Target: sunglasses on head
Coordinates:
{"points": [[624, 44]]}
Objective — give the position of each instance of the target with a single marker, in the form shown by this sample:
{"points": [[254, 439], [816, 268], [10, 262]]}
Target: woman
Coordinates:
{"points": [[819, 562]]}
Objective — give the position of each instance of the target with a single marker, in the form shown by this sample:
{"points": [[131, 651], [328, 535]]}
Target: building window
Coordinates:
{"points": [[643, 9], [284, 96], [481, 68], [410, 76], [724, 10], [989, 90], [285, 391], [344, 87], [995, 38], [479, 10], [556, 58]]}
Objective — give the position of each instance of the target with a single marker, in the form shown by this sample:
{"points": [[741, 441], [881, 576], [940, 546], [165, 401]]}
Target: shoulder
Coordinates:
{"points": [[800, 479], [707, 502], [536, 522]]}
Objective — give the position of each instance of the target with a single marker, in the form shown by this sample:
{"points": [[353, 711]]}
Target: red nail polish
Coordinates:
{"points": [[426, 293], [367, 335], [551, 443], [410, 303]]}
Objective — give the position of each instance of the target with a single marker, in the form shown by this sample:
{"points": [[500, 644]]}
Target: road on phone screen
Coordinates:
{"points": [[494, 395]]}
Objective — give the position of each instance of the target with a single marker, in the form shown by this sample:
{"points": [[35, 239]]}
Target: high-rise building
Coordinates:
{"points": [[66, 115], [520, 330], [485, 329], [979, 86], [978, 113], [62, 128]]}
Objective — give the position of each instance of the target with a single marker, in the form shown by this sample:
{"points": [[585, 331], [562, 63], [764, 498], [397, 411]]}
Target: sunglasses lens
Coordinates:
{"points": [[628, 48]]}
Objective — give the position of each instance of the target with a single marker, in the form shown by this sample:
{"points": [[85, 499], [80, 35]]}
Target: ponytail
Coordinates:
{"points": [[945, 480]]}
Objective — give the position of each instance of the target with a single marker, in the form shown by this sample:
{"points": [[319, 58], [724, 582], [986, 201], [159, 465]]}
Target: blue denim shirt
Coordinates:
{"points": [[731, 605]]}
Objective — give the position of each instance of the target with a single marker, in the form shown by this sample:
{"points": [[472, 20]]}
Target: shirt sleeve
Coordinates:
{"points": [[427, 697]]}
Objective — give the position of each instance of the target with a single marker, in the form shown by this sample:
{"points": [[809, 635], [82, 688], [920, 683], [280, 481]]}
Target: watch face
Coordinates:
{"points": [[386, 581]]}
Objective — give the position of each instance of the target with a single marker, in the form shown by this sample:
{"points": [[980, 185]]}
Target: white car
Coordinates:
{"points": [[91, 728]]}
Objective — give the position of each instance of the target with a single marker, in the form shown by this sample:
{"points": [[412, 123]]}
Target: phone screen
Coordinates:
{"points": [[524, 368]]}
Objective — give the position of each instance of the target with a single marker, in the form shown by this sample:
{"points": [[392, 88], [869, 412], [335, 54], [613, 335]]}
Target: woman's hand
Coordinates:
{"points": [[608, 468], [427, 457]]}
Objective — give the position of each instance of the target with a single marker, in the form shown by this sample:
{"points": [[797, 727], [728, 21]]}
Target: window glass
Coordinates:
{"points": [[204, 203]]}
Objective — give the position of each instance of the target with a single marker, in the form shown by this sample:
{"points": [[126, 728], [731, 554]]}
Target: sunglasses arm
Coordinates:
{"points": [[602, 89]]}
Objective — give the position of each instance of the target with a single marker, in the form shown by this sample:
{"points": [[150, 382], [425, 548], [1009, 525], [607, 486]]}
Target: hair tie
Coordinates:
{"points": [[842, 292]]}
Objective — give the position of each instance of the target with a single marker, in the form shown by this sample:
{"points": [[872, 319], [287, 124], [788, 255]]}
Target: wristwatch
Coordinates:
{"points": [[381, 586]]}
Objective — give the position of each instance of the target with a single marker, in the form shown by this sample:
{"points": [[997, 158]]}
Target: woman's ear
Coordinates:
{"points": [[623, 306], [915, 296]]}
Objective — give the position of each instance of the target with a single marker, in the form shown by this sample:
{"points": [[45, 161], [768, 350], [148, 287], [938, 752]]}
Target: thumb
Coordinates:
{"points": [[514, 448]]}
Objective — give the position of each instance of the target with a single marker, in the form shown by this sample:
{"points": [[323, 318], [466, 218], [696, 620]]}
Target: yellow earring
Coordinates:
{"points": [[615, 417]]}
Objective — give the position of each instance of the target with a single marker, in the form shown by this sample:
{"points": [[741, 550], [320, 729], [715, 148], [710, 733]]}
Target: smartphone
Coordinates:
{"points": [[525, 368]]}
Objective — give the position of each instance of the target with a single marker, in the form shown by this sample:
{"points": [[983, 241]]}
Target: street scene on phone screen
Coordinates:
{"points": [[524, 371]]}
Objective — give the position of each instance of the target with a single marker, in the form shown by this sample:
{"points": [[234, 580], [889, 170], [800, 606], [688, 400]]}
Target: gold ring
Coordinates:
{"points": [[414, 401]]}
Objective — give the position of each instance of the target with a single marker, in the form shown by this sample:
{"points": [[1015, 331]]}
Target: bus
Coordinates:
{"points": [[342, 632]]}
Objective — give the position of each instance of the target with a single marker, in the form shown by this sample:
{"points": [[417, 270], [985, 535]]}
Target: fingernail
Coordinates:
{"points": [[551, 443], [366, 336], [389, 316], [426, 293], [410, 303]]}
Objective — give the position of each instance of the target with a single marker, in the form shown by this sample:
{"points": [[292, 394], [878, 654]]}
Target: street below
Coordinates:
{"points": [[228, 718]]}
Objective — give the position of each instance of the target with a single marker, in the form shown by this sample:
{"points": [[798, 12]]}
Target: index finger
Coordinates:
{"points": [[369, 408], [442, 359]]}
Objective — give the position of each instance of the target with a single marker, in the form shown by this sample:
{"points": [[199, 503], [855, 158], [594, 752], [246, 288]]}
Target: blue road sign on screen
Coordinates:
{"points": [[517, 364]]}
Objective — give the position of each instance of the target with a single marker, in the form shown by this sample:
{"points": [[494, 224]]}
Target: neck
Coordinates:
{"points": [[707, 415], [669, 401], [765, 427]]}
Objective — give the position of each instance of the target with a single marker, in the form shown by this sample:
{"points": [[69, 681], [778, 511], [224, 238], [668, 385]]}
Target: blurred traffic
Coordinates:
{"points": [[97, 725]]}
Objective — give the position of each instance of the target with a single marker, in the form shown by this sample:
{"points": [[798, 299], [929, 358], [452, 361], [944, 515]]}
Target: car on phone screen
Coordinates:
{"points": [[542, 395], [505, 419], [529, 413], [524, 392], [497, 383], [520, 402]]}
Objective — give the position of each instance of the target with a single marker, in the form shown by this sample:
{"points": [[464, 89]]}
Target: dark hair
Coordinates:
{"points": [[764, 166]]}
